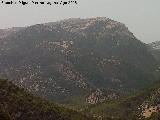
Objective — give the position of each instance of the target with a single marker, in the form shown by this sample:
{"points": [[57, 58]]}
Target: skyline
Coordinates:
{"points": [[140, 16]]}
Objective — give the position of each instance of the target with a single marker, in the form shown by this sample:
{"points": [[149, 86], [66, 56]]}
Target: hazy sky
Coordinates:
{"points": [[142, 17]]}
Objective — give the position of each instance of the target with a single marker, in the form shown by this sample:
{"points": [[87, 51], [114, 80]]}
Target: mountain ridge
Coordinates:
{"points": [[76, 57]]}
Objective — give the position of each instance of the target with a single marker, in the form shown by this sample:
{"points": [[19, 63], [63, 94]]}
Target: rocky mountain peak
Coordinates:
{"points": [[155, 45], [101, 24]]}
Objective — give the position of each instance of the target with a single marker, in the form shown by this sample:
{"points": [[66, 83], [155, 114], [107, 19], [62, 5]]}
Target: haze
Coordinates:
{"points": [[142, 17]]}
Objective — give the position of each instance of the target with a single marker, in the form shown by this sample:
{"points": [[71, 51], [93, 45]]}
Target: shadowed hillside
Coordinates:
{"points": [[17, 104]]}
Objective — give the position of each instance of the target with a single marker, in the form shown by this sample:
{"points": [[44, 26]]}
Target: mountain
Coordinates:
{"points": [[6, 32], [18, 104], [144, 105], [154, 47], [94, 59]]}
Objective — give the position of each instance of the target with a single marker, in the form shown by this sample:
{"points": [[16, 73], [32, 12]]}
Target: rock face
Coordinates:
{"points": [[74, 57], [98, 96], [152, 104], [95, 97]]}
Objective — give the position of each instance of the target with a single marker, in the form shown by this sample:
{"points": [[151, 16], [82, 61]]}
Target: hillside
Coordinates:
{"points": [[17, 104], [95, 59], [145, 104]]}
